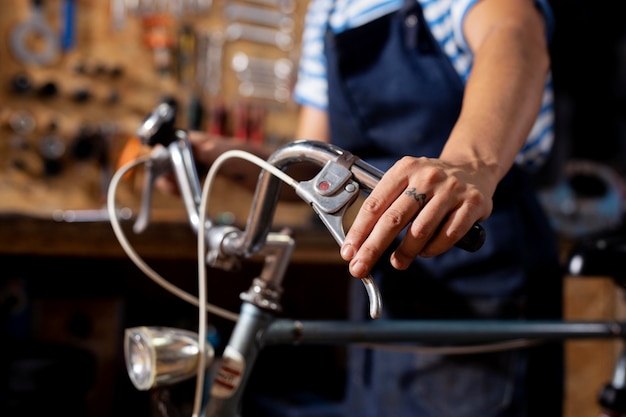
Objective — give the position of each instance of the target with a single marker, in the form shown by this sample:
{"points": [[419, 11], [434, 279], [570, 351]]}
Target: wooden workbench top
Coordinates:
{"points": [[29, 235]]}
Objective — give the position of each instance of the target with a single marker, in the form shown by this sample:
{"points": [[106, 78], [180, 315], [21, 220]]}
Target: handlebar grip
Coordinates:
{"points": [[473, 239]]}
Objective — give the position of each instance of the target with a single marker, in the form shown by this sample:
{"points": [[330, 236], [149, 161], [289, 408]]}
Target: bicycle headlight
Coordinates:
{"points": [[159, 356]]}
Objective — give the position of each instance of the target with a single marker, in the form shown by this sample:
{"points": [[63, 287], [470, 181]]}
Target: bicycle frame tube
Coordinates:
{"points": [[286, 331], [237, 362], [256, 329]]}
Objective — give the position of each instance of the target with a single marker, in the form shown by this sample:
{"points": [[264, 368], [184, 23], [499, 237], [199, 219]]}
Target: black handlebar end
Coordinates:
{"points": [[473, 239]]}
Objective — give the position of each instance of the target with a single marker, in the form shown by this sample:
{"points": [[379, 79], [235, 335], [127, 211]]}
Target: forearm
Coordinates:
{"points": [[207, 149], [503, 97], [312, 125]]}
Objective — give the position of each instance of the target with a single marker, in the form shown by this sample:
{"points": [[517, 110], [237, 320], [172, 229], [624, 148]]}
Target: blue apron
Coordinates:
{"points": [[393, 92]]}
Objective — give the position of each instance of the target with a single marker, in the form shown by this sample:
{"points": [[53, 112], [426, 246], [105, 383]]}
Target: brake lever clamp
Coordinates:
{"points": [[330, 193]]}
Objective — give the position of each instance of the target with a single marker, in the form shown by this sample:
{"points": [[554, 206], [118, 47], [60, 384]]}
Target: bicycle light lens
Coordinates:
{"points": [[158, 356]]}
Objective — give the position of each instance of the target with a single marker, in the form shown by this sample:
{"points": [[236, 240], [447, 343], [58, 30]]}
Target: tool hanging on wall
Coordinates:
{"points": [[285, 6], [259, 15], [68, 25], [218, 118], [283, 40], [262, 77], [186, 53], [209, 62], [35, 30], [52, 151], [158, 36], [256, 123], [175, 8], [249, 122], [269, 23], [118, 14], [240, 122]]}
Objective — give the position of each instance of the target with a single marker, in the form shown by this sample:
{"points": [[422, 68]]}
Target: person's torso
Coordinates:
{"points": [[444, 19], [392, 90]]}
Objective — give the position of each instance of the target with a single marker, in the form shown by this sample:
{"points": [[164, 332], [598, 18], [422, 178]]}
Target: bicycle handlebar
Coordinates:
{"points": [[321, 153], [330, 193]]}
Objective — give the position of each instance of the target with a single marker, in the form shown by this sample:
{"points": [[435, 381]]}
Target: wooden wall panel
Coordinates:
{"points": [[590, 363], [100, 51]]}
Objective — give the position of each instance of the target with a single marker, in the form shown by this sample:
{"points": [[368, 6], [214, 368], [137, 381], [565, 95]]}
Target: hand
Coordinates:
{"points": [[206, 148], [440, 201]]}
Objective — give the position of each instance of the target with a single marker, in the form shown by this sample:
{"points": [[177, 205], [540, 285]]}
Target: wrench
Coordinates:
{"points": [[264, 91], [280, 68], [285, 6], [260, 15], [241, 31]]}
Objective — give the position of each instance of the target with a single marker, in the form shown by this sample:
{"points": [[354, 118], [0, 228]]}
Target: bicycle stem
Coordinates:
{"points": [[257, 312]]}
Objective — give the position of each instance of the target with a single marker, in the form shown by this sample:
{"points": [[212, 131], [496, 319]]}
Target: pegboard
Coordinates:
{"points": [[76, 86]]}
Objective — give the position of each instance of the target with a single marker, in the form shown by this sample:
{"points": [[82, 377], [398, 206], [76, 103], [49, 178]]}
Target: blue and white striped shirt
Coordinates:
{"points": [[445, 19]]}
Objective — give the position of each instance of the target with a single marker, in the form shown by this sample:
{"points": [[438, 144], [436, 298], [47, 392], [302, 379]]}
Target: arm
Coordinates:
{"points": [[450, 193], [312, 124], [207, 148]]}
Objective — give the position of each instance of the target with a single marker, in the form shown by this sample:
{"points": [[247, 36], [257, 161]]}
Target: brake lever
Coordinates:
{"points": [[172, 152], [157, 165], [330, 193]]}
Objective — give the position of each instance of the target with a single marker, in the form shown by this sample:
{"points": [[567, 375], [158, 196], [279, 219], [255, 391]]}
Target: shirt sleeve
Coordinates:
{"points": [[311, 87], [459, 9]]}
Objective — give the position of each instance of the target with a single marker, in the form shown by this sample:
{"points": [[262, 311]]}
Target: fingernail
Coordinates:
{"points": [[347, 252], [358, 269], [399, 262]]}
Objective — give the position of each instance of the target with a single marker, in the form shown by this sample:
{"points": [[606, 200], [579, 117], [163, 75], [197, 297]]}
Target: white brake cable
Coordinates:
{"points": [[137, 260], [202, 268]]}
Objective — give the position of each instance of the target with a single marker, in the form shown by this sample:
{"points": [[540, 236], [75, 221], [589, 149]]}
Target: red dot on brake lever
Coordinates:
{"points": [[323, 186]]}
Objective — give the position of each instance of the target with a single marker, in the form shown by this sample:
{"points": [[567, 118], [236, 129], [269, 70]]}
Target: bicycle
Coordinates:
{"points": [[161, 356]]}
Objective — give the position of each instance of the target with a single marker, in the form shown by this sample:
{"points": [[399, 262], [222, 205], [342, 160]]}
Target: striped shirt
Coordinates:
{"points": [[445, 19]]}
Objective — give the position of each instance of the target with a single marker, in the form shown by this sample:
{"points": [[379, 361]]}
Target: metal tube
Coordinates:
{"points": [[286, 331], [237, 362], [267, 191]]}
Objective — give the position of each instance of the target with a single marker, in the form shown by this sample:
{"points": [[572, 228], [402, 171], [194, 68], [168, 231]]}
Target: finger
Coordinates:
{"points": [[384, 232], [166, 183], [420, 232], [196, 137], [370, 211], [431, 236], [452, 230]]}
